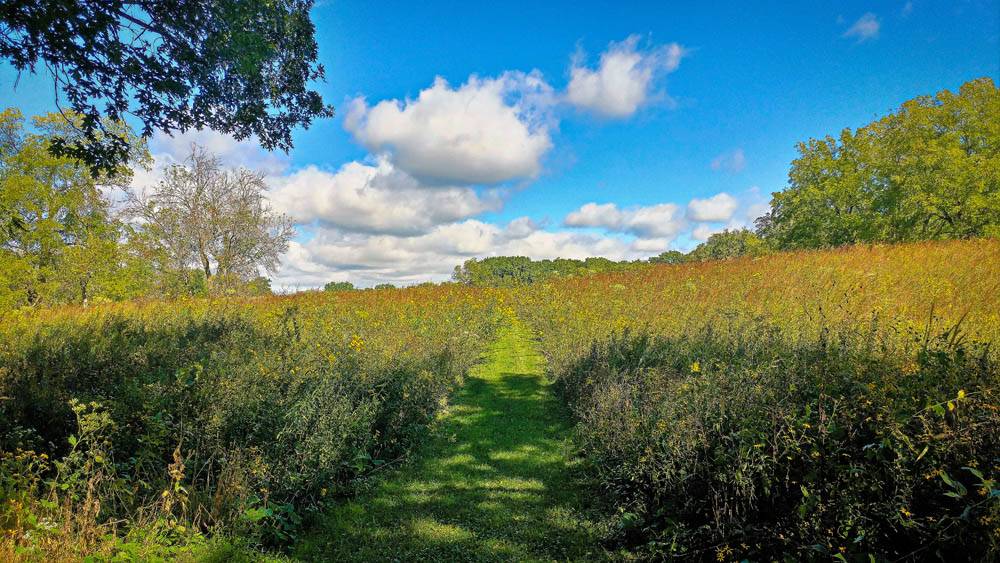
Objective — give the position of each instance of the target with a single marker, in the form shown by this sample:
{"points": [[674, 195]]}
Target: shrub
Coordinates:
{"points": [[231, 416], [739, 444]]}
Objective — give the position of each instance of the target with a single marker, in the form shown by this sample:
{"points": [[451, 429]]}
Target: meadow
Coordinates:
{"points": [[809, 405], [127, 428], [813, 405]]}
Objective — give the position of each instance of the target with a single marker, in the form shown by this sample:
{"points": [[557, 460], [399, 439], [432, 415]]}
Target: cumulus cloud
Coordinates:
{"points": [[654, 221], [375, 198], [168, 150], [369, 259], [623, 79], [703, 231], [246, 153], [733, 161], [486, 131], [717, 208], [867, 27]]}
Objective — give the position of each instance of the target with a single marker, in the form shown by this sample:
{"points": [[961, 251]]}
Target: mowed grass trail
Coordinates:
{"points": [[495, 483]]}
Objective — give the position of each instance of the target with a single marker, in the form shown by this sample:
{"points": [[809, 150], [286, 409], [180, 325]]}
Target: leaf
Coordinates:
{"points": [[257, 514], [922, 453], [72, 440], [976, 472]]}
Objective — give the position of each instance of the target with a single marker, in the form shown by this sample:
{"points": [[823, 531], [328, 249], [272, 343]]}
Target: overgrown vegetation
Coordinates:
{"points": [[731, 403], [239, 418], [721, 417]]}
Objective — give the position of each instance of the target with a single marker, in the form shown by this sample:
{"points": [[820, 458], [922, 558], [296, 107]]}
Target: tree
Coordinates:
{"points": [[218, 221], [338, 286], [931, 170], [59, 237], [669, 257], [240, 67], [729, 244]]}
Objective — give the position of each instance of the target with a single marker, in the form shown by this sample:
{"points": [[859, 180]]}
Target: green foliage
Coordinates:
{"points": [[728, 244], [739, 443], [338, 286], [510, 271], [242, 68], [669, 257], [60, 243], [927, 171], [237, 417]]}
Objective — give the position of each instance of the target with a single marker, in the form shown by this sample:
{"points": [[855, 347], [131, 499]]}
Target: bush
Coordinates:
{"points": [[739, 443], [229, 416]]}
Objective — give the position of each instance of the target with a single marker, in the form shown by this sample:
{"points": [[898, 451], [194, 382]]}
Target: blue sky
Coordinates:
{"points": [[688, 102]]}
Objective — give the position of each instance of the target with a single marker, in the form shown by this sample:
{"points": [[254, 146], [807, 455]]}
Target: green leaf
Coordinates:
{"points": [[976, 472]]}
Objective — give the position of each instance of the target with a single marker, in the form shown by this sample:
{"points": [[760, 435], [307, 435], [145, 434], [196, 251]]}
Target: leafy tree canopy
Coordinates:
{"points": [[931, 170], [505, 271], [728, 244], [241, 67], [59, 240], [338, 286]]}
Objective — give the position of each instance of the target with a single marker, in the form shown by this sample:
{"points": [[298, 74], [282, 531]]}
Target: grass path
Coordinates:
{"points": [[494, 483]]}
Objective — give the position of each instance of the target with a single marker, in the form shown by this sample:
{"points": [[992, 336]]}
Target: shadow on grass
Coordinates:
{"points": [[495, 483]]}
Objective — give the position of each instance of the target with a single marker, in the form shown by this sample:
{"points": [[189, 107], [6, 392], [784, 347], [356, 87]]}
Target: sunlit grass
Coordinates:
{"points": [[496, 482]]}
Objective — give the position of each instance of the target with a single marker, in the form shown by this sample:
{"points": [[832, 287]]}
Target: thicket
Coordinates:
{"points": [[236, 417], [799, 406]]}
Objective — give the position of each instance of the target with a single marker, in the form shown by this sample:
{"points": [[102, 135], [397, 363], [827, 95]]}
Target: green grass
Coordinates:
{"points": [[496, 482]]}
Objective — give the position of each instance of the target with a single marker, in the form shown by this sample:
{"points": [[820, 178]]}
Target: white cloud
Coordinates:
{"points": [[169, 150], [369, 259], [867, 27], [375, 199], [717, 208], [365, 256], [486, 131], [734, 161], [246, 153], [703, 231], [623, 79], [654, 221]]}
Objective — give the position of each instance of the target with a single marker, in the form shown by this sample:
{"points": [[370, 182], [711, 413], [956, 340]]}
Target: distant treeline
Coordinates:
{"points": [[506, 271], [929, 171]]}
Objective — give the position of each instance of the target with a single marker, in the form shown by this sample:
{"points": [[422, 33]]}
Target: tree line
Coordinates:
{"points": [[74, 233], [929, 170], [71, 233]]}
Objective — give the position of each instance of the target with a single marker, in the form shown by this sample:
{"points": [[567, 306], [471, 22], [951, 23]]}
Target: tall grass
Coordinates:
{"points": [[807, 405], [239, 417]]}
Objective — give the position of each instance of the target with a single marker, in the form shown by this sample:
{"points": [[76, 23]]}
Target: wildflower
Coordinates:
{"points": [[961, 394], [357, 344], [695, 367]]}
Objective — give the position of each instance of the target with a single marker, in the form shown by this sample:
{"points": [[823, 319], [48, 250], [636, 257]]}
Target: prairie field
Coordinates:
{"points": [[815, 404]]}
